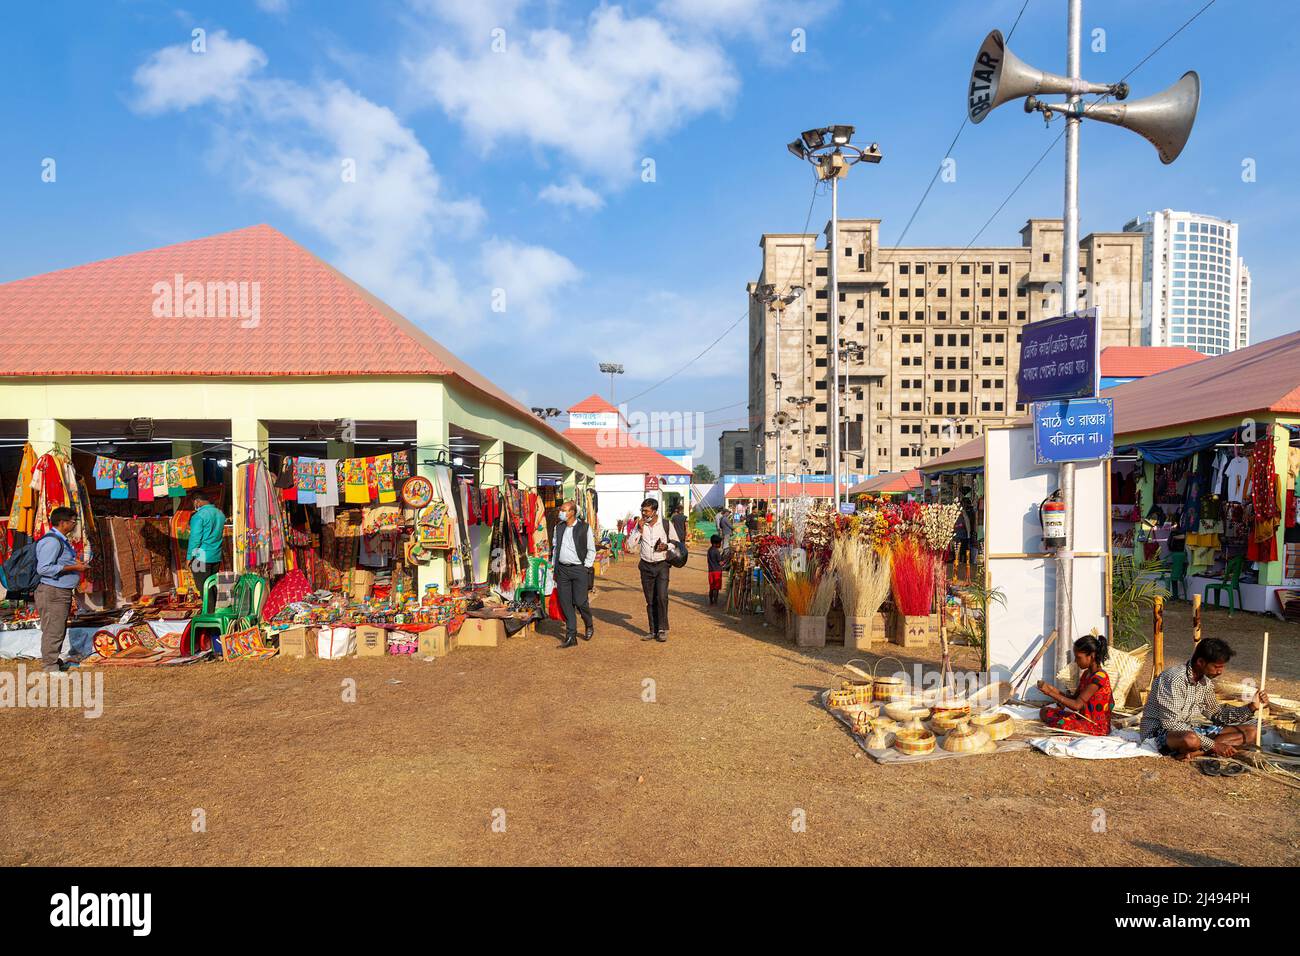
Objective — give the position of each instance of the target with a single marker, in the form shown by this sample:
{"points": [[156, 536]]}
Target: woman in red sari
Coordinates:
{"points": [[1092, 699]]}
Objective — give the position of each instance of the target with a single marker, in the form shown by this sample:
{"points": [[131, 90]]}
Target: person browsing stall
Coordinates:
{"points": [[650, 537], [573, 555], [1183, 715], [716, 567], [59, 570], [1088, 710], [207, 525]]}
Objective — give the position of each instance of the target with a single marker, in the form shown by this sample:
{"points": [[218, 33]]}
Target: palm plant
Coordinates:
{"points": [[979, 598], [1134, 587]]}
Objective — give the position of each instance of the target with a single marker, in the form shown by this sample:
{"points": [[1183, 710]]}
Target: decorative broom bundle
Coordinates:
{"points": [[937, 525], [863, 575], [806, 592], [912, 578]]}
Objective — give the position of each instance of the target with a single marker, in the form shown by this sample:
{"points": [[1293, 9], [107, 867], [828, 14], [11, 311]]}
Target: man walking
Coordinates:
{"points": [[59, 571], [652, 536], [573, 554], [679, 522], [724, 528], [207, 525]]}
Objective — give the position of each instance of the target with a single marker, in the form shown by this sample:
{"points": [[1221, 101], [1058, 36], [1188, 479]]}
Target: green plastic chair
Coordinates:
{"points": [[1231, 582], [245, 610], [535, 580], [1177, 574]]}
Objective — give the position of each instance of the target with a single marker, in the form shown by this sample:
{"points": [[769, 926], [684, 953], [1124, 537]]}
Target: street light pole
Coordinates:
{"points": [[611, 369], [831, 151]]}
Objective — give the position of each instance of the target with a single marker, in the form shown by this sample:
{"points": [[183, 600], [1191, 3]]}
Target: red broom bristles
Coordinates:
{"points": [[913, 578]]}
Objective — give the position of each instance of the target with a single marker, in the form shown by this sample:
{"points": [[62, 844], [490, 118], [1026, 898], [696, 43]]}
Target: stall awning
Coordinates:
{"points": [[1165, 450]]}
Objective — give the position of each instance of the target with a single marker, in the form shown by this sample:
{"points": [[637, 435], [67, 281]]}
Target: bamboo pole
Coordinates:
{"points": [[1196, 619], [1259, 714], [1158, 638]]}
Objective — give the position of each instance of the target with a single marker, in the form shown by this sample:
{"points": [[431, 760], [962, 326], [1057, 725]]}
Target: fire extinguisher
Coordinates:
{"points": [[1051, 516]]}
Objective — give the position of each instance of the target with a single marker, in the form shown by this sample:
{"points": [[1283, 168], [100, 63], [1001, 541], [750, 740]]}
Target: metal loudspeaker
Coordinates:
{"points": [[1164, 120], [999, 75], [782, 419]]}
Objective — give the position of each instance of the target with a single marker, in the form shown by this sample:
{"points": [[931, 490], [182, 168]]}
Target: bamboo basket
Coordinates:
{"points": [[840, 699], [997, 726], [879, 739], [860, 689], [903, 710], [1290, 734], [887, 688], [952, 709], [914, 742], [884, 724], [943, 723], [966, 739]]}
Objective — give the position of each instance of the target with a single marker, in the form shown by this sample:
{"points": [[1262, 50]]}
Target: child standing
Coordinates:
{"points": [[715, 568]]}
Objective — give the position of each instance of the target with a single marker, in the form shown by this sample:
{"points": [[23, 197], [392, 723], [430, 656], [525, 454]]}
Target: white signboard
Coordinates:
{"points": [[1014, 487]]}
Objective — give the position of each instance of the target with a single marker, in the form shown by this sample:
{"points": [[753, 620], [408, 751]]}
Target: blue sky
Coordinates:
{"points": [[521, 168]]}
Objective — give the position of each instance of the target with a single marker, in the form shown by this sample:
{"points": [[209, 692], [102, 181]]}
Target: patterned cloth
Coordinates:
{"points": [[1178, 703], [1096, 709]]}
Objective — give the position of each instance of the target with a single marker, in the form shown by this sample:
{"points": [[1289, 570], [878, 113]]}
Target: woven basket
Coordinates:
{"points": [[861, 689], [952, 709], [880, 739], [914, 742], [840, 699], [966, 739], [943, 723], [884, 724], [997, 726], [888, 688], [902, 710], [1290, 734]]}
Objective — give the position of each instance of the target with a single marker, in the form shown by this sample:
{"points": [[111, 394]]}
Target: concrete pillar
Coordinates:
{"points": [[45, 434], [527, 471], [248, 437], [569, 484], [431, 436]]}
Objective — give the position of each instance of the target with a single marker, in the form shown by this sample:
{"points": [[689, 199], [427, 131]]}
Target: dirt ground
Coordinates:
{"points": [[720, 766]]}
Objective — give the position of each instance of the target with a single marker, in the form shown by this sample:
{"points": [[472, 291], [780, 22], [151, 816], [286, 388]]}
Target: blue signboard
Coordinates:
{"points": [[1079, 430], [1058, 358]]}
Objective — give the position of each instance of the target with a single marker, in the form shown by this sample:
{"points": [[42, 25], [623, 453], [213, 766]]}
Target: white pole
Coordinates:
{"points": [[779, 309], [1069, 302], [833, 336]]}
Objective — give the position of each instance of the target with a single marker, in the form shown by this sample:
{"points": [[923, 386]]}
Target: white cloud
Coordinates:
{"points": [[176, 78], [273, 6], [476, 19], [571, 193], [530, 276], [760, 19], [598, 98], [348, 168]]}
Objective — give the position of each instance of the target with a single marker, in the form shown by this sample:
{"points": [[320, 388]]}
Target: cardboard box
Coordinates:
{"points": [[481, 632], [362, 581], [372, 641], [294, 642], [436, 642]]}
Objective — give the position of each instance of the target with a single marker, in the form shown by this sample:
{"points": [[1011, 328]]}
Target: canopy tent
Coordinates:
{"points": [[889, 483], [766, 492]]}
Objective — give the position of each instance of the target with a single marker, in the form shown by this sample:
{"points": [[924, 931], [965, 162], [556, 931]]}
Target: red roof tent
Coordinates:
{"points": [[767, 492], [618, 453], [889, 483], [594, 403], [97, 320], [1139, 361]]}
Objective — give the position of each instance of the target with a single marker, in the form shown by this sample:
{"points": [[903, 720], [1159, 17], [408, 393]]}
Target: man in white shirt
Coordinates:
{"points": [[651, 537], [573, 555]]}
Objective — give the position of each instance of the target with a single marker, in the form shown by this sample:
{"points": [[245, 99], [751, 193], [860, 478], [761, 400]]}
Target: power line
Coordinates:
{"points": [[811, 203]]}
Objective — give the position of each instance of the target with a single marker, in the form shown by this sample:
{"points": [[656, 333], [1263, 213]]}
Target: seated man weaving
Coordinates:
{"points": [[1185, 717]]}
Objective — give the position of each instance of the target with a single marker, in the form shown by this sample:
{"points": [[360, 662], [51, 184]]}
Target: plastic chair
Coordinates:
{"points": [[245, 610], [1177, 574], [1231, 582], [535, 582]]}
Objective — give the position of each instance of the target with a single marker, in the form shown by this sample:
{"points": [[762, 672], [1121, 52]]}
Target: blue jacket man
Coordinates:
{"points": [[207, 525], [60, 571]]}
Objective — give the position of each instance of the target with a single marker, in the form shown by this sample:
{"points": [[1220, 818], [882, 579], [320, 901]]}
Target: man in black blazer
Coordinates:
{"points": [[573, 556]]}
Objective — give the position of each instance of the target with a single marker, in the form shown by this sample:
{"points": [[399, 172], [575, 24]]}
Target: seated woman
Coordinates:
{"points": [[1092, 698]]}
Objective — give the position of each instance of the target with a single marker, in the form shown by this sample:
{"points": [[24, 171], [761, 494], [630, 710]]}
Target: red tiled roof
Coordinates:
{"points": [[889, 483], [766, 491], [1139, 361], [618, 453], [593, 403], [98, 319]]}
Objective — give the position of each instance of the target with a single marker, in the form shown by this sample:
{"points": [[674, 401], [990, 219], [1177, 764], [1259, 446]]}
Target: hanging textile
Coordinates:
{"points": [[305, 480], [386, 492], [355, 489], [262, 543]]}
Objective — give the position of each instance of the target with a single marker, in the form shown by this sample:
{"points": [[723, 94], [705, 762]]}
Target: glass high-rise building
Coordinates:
{"points": [[1195, 285]]}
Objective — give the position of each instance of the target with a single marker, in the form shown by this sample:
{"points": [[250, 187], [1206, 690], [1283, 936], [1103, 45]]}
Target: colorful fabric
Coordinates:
{"points": [[1097, 708], [145, 471], [160, 479], [305, 480], [355, 488], [401, 465], [106, 470], [384, 479], [292, 587], [185, 467], [174, 487], [372, 478]]}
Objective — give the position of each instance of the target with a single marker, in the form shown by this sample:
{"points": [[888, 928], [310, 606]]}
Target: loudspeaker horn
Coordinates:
{"points": [[999, 75], [1164, 120]]}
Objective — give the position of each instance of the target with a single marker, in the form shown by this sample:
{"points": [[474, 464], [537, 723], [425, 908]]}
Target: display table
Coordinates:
{"points": [[76, 642]]}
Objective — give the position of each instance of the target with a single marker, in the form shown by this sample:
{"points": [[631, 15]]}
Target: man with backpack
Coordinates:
{"points": [[660, 547], [59, 571]]}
